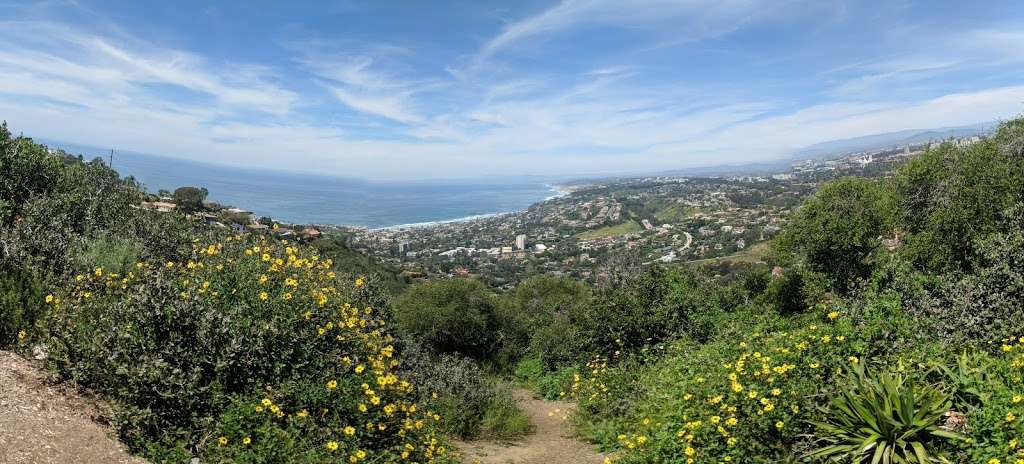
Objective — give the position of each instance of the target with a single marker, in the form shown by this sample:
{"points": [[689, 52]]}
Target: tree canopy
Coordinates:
{"points": [[835, 230], [190, 199]]}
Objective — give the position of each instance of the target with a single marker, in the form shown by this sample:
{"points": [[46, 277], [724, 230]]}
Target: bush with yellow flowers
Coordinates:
{"points": [[745, 396], [994, 417], [250, 350], [753, 393]]}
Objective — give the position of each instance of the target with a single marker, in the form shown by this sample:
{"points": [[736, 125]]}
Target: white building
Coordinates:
{"points": [[521, 242]]}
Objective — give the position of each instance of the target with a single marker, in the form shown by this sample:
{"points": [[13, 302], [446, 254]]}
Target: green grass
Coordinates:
{"points": [[674, 213], [504, 420], [755, 253], [611, 231]]}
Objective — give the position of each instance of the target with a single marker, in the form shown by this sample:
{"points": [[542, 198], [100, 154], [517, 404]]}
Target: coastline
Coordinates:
{"points": [[297, 198], [418, 225], [559, 192]]}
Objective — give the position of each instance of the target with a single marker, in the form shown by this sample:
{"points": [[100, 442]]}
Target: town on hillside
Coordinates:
{"points": [[597, 225]]}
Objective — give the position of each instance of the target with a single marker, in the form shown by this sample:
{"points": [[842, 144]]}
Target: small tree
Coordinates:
{"points": [[190, 199], [450, 316], [836, 230]]}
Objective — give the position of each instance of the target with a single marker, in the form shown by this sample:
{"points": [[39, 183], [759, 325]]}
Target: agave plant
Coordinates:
{"points": [[968, 377], [884, 418]]}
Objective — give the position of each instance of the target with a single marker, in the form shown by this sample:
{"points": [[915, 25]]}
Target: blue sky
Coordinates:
{"points": [[412, 89]]}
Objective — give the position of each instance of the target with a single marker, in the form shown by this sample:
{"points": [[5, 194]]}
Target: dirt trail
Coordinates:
{"points": [[550, 443], [43, 423]]}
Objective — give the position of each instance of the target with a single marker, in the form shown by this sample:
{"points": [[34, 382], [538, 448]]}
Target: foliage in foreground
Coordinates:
{"points": [[471, 404], [754, 395], [248, 351], [885, 417], [943, 300]]}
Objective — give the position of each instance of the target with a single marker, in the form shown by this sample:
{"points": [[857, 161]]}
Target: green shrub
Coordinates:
{"points": [[970, 379], [21, 303], [743, 396], [986, 305], [657, 305], [503, 419], [549, 384], [27, 169], [989, 393], [539, 318], [470, 404], [191, 350], [793, 292], [950, 197], [884, 417], [190, 199], [112, 254], [453, 386], [450, 316], [834, 232], [559, 343]]}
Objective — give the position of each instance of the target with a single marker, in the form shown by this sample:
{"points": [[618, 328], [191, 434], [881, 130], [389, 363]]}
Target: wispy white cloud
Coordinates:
{"points": [[937, 53], [393, 107], [1004, 41], [691, 18], [379, 110], [353, 74], [888, 73], [60, 52]]}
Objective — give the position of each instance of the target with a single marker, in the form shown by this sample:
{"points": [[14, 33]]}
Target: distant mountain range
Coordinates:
{"points": [[836, 148], [820, 151]]}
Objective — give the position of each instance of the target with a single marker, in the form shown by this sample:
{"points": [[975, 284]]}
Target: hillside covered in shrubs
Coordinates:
{"points": [[888, 327], [891, 329], [210, 344]]}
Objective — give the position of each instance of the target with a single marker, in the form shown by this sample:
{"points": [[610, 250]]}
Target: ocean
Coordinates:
{"points": [[319, 199]]}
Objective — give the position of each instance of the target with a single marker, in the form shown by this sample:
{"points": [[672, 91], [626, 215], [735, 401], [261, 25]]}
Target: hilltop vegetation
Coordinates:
{"points": [[207, 343], [627, 227], [891, 330], [889, 327]]}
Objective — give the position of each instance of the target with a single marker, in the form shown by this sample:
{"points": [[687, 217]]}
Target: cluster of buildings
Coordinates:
{"points": [[659, 219], [239, 220]]}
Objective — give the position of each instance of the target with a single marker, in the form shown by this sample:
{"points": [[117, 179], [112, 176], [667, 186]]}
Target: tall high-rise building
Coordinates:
{"points": [[521, 242]]}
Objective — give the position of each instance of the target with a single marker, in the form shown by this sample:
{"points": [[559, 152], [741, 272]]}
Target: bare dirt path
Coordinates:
{"points": [[550, 443], [43, 423]]}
